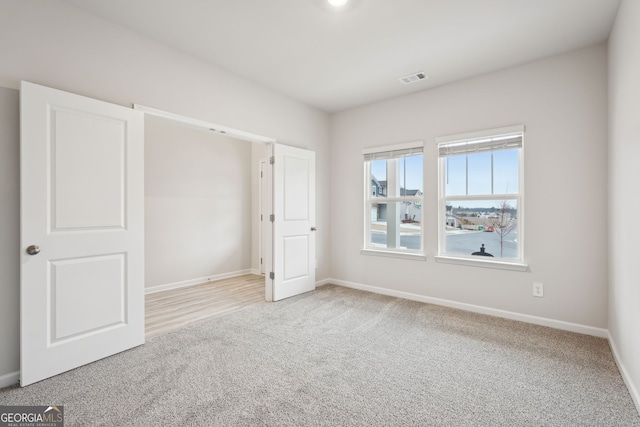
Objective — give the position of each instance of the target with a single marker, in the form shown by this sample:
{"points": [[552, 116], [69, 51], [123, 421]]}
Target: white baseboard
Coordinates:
{"points": [[9, 379], [633, 390], [323, 282], [191, 282], [556, 324]]}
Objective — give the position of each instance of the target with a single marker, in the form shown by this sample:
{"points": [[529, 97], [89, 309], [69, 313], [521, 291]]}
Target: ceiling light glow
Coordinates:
{"points": [[337, 3]]}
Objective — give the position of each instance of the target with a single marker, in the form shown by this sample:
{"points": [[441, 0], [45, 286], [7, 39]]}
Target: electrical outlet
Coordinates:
{"points": [[538, 289]]}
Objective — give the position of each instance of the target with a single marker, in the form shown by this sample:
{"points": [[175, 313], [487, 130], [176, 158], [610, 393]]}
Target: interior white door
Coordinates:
{"points": [[82, 231], [294, 242]]}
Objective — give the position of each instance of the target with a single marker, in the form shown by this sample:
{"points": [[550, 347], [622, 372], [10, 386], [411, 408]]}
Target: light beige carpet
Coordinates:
{"points": [[340, 357]]}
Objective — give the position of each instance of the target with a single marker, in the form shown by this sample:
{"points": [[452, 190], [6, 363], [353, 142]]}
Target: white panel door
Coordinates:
{"points": [[294, 209], [82, 225]]}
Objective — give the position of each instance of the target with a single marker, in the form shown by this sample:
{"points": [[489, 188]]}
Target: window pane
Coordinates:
{"points": [[455, 175], [492, 223], [505, 172], [379, 178], [396, 225], [480, 173], [410, 175]]}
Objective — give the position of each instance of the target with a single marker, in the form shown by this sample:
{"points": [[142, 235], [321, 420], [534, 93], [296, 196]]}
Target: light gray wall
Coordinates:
{"points": [[9, 230], [198, 205], [624, 197], [562, 100], [55, 44]]}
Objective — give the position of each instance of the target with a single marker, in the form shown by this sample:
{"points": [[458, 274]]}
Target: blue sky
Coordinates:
{"points": [[414, 166], [505, 173]]}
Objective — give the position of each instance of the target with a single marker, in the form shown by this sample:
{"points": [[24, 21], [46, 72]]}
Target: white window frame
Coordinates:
{"points": [[369, 249], [474, 137]]}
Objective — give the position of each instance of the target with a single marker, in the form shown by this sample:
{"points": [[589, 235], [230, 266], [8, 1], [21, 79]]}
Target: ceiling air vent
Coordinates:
{"points": [[412, 78]]}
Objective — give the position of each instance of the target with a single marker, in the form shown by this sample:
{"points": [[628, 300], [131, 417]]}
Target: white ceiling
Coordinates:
{"points": [[334, 59]]}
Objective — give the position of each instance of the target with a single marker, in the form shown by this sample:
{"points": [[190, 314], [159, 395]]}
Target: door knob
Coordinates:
{"points": [[33, 250], [313, 229]]}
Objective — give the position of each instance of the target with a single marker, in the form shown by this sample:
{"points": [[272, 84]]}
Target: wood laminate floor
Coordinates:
{"points": [[169, 310]]}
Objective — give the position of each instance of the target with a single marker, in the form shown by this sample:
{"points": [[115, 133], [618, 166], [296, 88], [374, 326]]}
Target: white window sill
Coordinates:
{"points": [[393, 254], [502, 265]]}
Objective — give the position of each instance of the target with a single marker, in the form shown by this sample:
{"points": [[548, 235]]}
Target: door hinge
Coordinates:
{"points": [[272, 275], [272, 218], [260, 217], [261, 174], [260, 261], [272, 160]]}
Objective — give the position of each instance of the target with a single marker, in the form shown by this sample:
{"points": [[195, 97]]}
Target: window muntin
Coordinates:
{"points": [[455, 176], [393, 207], [481, 195]]}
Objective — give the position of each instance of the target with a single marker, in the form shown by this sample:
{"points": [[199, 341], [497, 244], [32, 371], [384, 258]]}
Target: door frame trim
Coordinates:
{"points": [[204, 124]]}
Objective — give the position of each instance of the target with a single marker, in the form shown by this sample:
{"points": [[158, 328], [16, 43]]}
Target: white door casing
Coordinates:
{"points": [[82, 204], [294, 241], [262, 196]]}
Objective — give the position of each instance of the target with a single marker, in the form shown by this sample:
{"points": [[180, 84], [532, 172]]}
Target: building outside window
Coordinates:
{"points": [[394, 186], [481, 206]]}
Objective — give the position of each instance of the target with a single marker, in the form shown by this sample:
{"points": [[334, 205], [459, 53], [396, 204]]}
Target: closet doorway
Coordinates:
{"points": [[202, 224]]}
